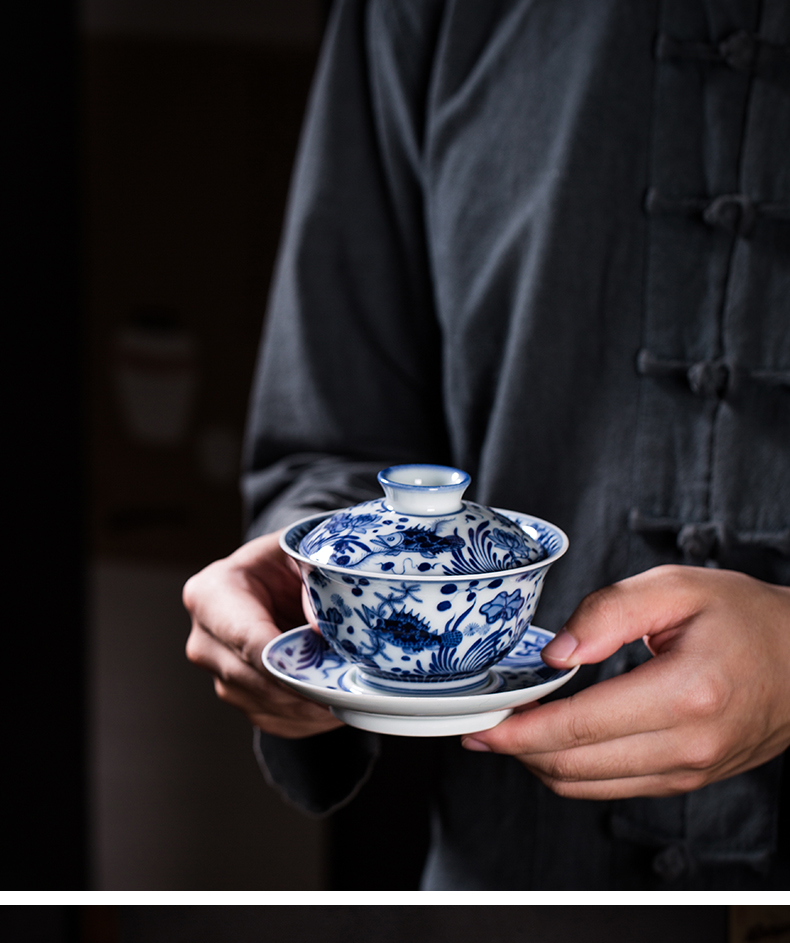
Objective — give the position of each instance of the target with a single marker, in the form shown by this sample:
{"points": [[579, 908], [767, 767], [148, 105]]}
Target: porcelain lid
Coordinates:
{"points": [[422, 527]]}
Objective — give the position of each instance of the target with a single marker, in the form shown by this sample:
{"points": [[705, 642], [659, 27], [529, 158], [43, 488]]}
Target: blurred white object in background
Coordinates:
{"points": [[155, 373]]}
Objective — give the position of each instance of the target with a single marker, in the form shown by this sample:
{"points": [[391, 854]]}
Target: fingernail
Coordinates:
{"points": [[475, 745], [561, 647]]}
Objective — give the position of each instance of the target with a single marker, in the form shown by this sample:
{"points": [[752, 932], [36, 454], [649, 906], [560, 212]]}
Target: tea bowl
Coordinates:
{"points": [[422, 591]]}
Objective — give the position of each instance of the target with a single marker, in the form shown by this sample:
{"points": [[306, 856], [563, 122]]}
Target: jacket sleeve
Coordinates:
{"points": [[349, 376], [349, 372], [321, 773]]}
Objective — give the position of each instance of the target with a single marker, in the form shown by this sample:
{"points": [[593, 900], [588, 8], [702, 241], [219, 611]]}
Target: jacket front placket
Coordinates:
{"points": [[712, 213]]}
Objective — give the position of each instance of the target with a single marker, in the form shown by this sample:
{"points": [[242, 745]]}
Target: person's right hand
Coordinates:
{"points": [[238, 605]]}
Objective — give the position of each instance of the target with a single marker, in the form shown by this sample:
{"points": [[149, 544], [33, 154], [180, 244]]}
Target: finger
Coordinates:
{"points": [[250, 689], [568, 777], [206, 652], [692, 759], [271, 570], [653, 603], [650, 754], [259, 568], [657, 695], [279, 702], [601, 790], [294, 717], [309, 611], [236, 613], [269, 704]]}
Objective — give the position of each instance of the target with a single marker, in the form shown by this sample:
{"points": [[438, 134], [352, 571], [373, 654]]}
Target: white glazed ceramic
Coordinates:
{"points": [[428, 632], [421, 527], [302, 660]]}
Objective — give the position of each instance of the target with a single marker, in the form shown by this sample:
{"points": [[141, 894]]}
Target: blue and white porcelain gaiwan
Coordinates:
{"points": [[422, 590]]}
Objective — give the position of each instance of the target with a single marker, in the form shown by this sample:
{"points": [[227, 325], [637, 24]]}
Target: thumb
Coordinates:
{"points": [[309, 610], [652, 604]]}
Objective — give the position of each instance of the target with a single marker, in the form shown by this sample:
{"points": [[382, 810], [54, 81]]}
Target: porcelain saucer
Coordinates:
{"points": [[303, 660]]}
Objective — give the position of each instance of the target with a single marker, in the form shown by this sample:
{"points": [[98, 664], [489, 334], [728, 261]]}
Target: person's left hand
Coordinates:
{"points": [[713, 702]]}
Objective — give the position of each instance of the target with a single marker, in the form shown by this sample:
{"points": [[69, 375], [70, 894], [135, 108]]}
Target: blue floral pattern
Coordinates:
{"points": [[389, 634], [305, 656], [373, 538], [440, 629], [503, 606], [310, 656]]}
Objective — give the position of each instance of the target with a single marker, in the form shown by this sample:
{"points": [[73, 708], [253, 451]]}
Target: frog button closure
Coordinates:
{"points": [[733, 212], [671, 863], [698, 542], [739, 51], [709, 378]]}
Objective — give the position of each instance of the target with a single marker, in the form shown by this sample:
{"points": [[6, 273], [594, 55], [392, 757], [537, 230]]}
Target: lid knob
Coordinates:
{"points": [[429, 490]]}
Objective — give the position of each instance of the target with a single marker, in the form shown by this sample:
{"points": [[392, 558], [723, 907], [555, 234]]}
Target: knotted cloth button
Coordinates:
{"points": [[698, 542], [733, 212], [708, 377], [739, 51], [670, 863]]}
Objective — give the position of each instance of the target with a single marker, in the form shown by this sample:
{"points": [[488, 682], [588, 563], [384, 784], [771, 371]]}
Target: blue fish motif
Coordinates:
{"points": [[407, 630], [422, 540]]}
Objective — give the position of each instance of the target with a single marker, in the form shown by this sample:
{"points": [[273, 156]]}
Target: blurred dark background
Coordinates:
{"points": [[396, 924], [151, 144], [190, 118]]}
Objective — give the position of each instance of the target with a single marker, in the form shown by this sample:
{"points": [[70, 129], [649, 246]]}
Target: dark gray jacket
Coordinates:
{"points": [[547, 241]]}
